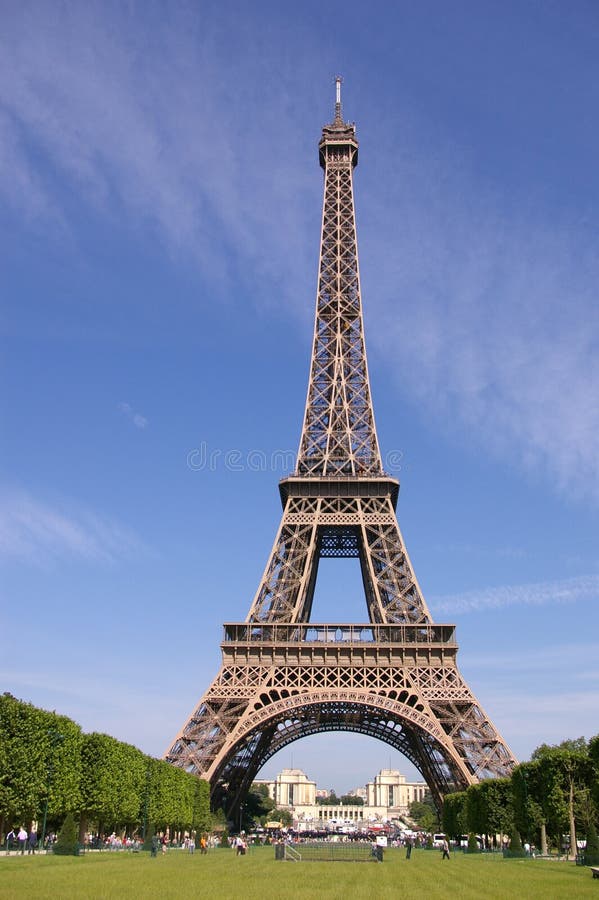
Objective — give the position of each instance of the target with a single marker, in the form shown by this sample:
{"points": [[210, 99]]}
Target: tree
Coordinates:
{"points": [[113, 780], [259, 803], [489, 809], [532, 804], [424, 815], [454, 815], [24, 772], [282, 815], [202, 816], [476, 812], [571, 745], [170, 796], [219, 821], [567, 768], [41, 753], [594, 773]]}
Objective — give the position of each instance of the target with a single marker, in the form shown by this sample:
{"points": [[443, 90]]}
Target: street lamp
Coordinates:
{"points": [[56, 738]]}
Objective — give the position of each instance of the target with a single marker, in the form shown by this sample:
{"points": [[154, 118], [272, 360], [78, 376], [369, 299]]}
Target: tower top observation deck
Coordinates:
{"points": [[338, 133]]}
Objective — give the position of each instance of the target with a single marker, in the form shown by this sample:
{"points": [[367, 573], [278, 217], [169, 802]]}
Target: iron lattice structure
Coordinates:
{"points": [[395, 678]]}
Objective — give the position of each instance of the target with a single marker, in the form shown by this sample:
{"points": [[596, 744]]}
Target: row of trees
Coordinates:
{"points": [[554, 794], [49, 768], [344, 800]]}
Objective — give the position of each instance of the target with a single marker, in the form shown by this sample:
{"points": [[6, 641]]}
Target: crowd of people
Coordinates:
{"points": [[19, 839]]}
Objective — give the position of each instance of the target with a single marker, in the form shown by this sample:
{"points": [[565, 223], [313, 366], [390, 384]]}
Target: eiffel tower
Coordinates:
{"points": [[395, 677]]}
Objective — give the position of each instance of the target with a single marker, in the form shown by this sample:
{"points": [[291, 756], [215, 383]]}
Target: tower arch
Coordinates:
{"points": [[401, 722]]}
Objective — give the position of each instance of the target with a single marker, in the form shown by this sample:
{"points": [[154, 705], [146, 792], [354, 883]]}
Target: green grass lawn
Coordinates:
{"points": [[221, 874]]}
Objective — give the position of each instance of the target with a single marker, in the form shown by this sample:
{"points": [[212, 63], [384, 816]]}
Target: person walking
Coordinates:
{"points": [[445, 849], [408, 848], [22, 839], [32, 842], [238, 845], [10, 841]]}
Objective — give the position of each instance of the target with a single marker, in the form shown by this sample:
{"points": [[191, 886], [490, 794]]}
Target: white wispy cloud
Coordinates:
{"points": [[537, 694], [526, 718], [19, 180], [38, 533], [485, 309], [571, 590], [138, 420], [107, 708], [146, 120], [491, 322], [543, 659]]}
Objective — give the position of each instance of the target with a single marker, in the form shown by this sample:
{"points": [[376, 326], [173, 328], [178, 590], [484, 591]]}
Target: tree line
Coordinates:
{"points": [[332, 799], [554, 795], [50, 768]]}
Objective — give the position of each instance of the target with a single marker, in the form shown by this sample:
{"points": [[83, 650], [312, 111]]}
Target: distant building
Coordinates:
{"points": [[291, 787], [360, 792], [391, 789], [386, 798]]}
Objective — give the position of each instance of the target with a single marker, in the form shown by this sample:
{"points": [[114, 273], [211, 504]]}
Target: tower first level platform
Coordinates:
{"points": [[283, 681]]}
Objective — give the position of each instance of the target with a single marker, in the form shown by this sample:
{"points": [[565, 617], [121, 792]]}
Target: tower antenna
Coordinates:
{"points": [[338, 80]]}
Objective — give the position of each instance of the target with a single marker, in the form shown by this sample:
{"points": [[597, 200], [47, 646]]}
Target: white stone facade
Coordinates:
{"points": [[391, 789], [386, 798], [291, 787]]}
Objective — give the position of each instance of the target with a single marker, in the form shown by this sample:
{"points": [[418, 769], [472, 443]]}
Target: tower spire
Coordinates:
{"points": [[339, 435], [338, 116]]}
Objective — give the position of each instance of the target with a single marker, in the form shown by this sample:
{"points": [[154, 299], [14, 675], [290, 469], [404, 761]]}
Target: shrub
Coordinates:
{"points": [[591, 854], [472, 843], [67, 843], [515, 848], [150, 832]]}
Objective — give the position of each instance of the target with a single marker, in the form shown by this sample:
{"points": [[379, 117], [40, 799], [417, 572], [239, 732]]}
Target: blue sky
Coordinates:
{"points": [[160, 202]]}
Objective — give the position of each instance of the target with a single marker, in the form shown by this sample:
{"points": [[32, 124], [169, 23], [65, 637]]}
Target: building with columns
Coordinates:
{"points": [[386, 798], [291, 787], [391, 789]]}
